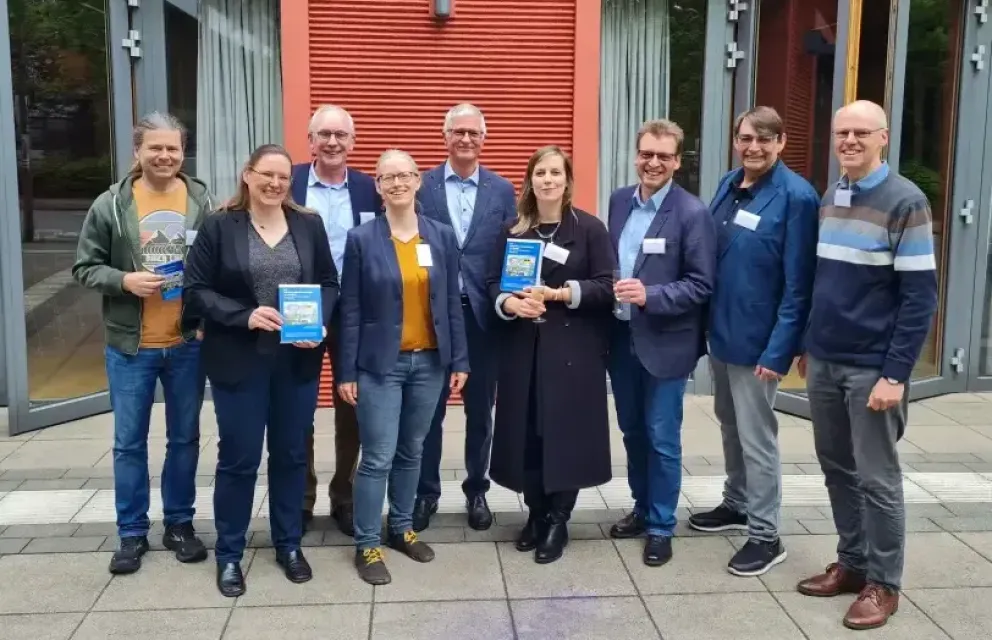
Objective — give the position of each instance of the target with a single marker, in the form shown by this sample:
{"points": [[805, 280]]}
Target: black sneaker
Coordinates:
{"points": [[756, 558], [127, 558], [371, 566], [720, 519], [657, 550], [182, 539]]}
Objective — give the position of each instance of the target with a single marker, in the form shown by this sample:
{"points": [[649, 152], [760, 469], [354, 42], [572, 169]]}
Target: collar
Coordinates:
{"points": [[870, 181], [735, 183], [313, 179], [450, 173], [654, 202]]}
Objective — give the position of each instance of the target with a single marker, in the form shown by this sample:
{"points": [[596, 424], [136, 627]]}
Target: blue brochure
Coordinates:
{"points": [[303, 318], [521, 265], [172, 288]]}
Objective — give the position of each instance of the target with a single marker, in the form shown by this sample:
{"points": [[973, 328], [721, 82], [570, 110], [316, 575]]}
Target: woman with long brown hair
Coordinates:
{"points": [[551, 435], [259, 240]]}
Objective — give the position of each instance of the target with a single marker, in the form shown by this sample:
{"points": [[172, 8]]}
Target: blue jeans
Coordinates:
{"points": [[394, 416], [274, 404], [649, 411], [132, 391]]}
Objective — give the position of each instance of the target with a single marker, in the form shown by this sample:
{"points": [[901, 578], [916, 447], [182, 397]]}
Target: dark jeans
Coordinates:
{"points": [[479, 396], [273, 397], [132, 391]]}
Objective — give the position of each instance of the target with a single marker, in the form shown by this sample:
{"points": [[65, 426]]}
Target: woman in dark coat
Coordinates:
{"points": [[551, 435]]}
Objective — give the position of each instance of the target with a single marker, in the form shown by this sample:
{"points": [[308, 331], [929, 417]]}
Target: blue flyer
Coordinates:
{"points": [[303, 318], [172, 288], [521, 265]]}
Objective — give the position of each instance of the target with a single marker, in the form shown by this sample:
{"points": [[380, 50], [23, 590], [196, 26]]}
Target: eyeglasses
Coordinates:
{"points": [[458, 134], [746, 140], [404, 177], [860, 134], [648, 156], [325, 135], [272, 177]]}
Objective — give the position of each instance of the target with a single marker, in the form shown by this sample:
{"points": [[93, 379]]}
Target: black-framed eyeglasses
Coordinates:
{"points": [[648, 156], [403, 177], [746, 140]]}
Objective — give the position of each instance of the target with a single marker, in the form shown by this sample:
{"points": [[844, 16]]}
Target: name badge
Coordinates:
{"points": [[555, 253], [190, 237], [747, 220], [424, 258], [365, 216], [842, 198], [654, 245]]}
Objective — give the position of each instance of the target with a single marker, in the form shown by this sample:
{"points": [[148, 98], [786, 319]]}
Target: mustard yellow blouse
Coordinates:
{"points": [[418, 323]]}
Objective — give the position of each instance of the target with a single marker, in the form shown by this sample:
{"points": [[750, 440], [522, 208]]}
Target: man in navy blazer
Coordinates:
{"points": [[344, 198], [767, 219], [666, 248], [476, 202]]}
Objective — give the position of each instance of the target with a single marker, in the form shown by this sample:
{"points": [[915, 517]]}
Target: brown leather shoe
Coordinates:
{"points": [[835, 581], [873, 607]]}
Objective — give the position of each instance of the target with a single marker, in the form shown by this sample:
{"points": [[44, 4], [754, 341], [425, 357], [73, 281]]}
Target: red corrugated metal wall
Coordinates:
{"points": [[398, 71]]}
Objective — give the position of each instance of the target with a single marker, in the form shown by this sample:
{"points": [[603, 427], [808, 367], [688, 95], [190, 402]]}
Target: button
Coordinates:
{"points": [[566, 324], [568, 364]]}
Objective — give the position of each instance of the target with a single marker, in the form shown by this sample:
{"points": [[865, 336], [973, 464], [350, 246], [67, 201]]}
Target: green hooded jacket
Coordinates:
{"points": [[109, 248]]}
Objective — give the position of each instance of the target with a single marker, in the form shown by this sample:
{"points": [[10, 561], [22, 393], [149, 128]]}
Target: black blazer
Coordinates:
{"points": [[218, 286]]}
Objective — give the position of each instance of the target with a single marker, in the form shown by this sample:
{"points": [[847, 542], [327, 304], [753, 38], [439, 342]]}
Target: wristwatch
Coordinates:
{"points": [[892, 381]]}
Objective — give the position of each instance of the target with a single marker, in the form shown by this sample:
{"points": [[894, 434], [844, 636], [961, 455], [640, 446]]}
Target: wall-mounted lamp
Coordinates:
{"points": [[442, 9]]}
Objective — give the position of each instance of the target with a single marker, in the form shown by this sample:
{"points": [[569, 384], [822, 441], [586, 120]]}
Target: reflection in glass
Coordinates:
{"points": [[688, 37], [63, 126]]}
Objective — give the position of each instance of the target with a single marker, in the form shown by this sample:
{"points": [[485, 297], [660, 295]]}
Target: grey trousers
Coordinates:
{"points": [[856, 447], [744, 405]]}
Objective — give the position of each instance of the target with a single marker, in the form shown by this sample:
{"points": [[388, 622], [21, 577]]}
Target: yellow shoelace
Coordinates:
{"points": [[372, 555], [410, 537]]}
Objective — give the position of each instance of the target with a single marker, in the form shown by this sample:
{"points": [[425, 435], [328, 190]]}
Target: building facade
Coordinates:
{"points": [[579, 73]]}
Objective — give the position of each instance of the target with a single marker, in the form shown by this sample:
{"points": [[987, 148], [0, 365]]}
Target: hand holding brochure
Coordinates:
{"points": [[521, 265], [303, 317], [172, 288]]}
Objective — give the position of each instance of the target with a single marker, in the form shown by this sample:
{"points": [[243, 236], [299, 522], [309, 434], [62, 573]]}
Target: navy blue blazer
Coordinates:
{"points": [[371, 301], [668, 333], [361, 188], [764, 278], [495, 205]]}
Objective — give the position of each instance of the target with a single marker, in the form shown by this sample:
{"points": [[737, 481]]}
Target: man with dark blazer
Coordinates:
{"points": [[344, 198], [766, 218], [665, 241], [476, 202]]}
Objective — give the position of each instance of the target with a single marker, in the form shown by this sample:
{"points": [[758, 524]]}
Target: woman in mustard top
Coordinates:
{"points": [[401, 333]]}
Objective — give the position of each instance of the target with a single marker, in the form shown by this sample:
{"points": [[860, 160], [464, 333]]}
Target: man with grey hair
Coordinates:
{"points": [[477, 203], [766, 219], [344, 198], [132, 249]]}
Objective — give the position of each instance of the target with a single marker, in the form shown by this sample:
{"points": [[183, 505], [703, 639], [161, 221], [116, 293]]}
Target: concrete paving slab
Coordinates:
{"points": [[964, 613], [822, 619], [52, 583], [319, 622], [458, 572], [718, 616], [188, 624], [41, 626], [334, 580], [582, 619], [588, 568], [698, 565], [939, 560], [474, 620]]}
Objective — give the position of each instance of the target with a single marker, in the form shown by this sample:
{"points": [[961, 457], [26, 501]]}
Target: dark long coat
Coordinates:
{"points": [[570, 365]]}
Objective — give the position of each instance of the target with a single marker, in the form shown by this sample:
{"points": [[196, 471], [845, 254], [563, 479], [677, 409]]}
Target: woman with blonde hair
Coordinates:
{"points": [[402, 330], [261, 387], [551, 435]]}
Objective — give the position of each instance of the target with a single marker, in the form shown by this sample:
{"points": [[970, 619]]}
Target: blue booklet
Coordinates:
{"points": [[172, 288], [521, 265], [303, 317]]}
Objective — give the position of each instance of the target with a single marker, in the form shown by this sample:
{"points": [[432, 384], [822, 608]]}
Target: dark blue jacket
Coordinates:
{"points": [[495, 205], [764, 277], [668, 333], [361, 187], [371, 302]]}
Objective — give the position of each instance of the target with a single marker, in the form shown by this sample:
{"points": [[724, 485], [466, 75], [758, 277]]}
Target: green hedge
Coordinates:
{"points": [[57, 177]]}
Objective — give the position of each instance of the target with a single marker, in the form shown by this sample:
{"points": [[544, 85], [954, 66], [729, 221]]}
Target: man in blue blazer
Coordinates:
{"points": [[766, 218], [344, 198], [665, 241], [476, 202]]}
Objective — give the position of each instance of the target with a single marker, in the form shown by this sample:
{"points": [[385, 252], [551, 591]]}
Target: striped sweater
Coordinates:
{"points": [[875, 291]]}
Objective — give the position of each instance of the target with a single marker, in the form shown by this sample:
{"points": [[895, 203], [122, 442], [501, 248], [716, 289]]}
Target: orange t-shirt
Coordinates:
{"points": [[162, 228]]}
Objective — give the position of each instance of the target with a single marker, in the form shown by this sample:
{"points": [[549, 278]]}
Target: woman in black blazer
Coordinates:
{"points": [[256, 242]]}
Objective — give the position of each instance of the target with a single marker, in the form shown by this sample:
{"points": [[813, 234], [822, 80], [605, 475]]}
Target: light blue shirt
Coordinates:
{"points": [[333, 203], [870, 181], [460, 195], [632, 237]]}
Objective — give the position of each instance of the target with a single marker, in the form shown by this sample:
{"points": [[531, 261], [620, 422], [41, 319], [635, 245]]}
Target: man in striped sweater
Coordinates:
{"points": [[874, 298]]}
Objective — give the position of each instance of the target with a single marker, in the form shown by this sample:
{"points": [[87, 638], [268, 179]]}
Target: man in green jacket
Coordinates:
{"points": [[131, 249]]}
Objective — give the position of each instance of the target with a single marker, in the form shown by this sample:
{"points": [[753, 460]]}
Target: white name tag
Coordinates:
{"points": [[654, 245], [365, 216], [424, 258], [747, 220], [190, 237], [842, 198], [555, 253]]}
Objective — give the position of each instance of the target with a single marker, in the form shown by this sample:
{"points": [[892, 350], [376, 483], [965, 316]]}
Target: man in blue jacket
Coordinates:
{"points": [[344, 198], [665, 241], [766, 218], [477, 203]]}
